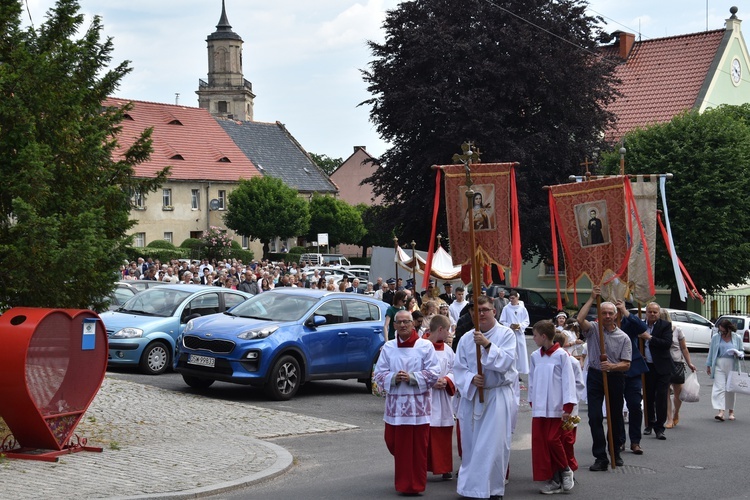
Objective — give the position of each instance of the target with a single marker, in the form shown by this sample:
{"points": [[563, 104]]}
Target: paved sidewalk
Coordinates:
{"points": [[162, 444]]}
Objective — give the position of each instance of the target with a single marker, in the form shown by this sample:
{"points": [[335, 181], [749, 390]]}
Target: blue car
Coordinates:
{"points": [[282, 338], [143, 331]]}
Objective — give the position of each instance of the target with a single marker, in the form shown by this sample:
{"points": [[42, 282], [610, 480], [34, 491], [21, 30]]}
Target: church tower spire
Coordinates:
{"points": [[226, 94]]}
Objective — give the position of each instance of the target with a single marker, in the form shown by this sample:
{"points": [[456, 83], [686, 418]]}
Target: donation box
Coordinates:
{"points": [[52, 364]]}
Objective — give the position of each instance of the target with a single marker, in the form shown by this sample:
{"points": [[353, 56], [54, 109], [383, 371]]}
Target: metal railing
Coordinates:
{"points": [[716, 305]]}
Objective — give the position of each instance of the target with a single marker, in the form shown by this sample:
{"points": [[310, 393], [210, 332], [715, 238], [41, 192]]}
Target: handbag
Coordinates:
{"points": [[739, 382], [678, 373], [375, 389]]}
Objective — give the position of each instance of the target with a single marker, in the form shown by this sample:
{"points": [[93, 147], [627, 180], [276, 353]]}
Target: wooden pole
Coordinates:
{"points": [[603, 357], [395, 257], [476, 283], [414, 266]]}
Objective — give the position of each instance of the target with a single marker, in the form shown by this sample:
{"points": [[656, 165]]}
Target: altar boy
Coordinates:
{"points": [[552, 397], [440, 449]]}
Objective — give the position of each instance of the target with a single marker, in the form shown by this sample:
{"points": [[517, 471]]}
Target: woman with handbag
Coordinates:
{"points": [[722, 359], [680, 358]]}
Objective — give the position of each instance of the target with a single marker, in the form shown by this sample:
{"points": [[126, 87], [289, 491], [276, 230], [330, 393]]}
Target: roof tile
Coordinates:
{"points": [[181, 131]]}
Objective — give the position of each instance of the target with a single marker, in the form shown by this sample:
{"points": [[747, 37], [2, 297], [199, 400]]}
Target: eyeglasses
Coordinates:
{"points": [[484, 310], [403, 322]]}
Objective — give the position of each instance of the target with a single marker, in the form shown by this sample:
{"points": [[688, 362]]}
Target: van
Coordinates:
{"points": [[324, 259]]}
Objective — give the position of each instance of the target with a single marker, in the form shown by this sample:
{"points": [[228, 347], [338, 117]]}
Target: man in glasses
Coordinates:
{"points": [[407, 369], [485, 427]]}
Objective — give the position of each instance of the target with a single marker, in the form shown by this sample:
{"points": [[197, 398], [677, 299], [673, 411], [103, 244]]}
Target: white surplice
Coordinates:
{"points": [[407, 403], [485, 427], [442, 402]]}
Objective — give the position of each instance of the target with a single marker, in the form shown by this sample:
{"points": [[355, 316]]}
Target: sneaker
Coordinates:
{"points": [[551, 487], [647, 431], [447, 476], [567, 480]]}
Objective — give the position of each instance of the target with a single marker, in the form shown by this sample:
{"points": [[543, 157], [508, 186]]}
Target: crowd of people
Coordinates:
{"points": [[421, 373], [434, 380]]}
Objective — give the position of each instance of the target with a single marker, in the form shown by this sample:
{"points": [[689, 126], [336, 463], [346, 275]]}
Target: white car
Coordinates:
{"points": [[743, 327], [697, 329]]}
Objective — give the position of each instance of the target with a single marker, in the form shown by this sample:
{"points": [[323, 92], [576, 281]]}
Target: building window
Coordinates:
{"points": [[166, 195], [195, 199], [139, 240], [168, 236], [139, 201], [245, 242], [222, 106], [222, 199]]}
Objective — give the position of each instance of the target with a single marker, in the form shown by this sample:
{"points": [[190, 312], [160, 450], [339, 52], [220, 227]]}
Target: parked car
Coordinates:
{"points": [[283, 338], [697, 329], [120, 294], [361, 272], [319, 259], [537, 306], [143, 331], [743, 327], [141, 285]]}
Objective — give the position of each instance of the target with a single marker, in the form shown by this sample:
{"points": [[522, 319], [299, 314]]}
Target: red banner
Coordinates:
{"points": [[492, 209], [593, 226]]}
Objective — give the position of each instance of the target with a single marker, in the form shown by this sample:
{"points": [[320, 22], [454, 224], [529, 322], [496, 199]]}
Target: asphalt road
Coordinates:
{"points": [[701, 458]]}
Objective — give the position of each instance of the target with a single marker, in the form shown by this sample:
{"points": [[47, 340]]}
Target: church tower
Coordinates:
{"points": [[226, 94]]}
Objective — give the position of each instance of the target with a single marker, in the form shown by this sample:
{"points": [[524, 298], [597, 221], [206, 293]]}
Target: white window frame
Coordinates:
{"points": [[166, 198], [139, 240], [139, 201], [195, 199], [222, 199], [169, 236]]}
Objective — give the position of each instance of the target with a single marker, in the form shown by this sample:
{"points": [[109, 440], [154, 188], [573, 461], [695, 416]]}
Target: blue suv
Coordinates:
{"points": [[282, 338]]}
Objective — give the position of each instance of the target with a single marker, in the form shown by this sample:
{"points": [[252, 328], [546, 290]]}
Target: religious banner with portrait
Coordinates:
{"points": [[592, 221], [492, 210]]}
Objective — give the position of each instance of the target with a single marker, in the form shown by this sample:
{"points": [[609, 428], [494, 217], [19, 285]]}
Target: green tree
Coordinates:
{"points": [[709, 210], [378, 226], [457, 70], [326, 163], [66, 195], [341, 221], [264, 208]]}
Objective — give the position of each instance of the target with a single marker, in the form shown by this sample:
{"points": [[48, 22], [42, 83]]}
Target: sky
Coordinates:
{"points": [[304, 57]]}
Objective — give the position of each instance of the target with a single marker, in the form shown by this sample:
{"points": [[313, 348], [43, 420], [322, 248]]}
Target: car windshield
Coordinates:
{"points": [[157, 301], [271, 306]]}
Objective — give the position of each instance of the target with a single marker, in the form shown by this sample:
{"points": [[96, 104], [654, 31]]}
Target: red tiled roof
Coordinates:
{"points": [[661, 78], [183, 132]]}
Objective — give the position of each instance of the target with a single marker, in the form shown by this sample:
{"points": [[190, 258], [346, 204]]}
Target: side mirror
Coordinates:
{"points": [[316, 320]]}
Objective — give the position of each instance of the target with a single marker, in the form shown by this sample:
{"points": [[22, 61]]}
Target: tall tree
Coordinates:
{"points": [[326, 163], [709, 210], [65, 200], [341, 221], [521, 78], [265, 208]]}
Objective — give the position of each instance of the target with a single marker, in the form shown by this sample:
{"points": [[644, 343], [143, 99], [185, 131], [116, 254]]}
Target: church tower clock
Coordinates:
{"points": [[226, 94]]}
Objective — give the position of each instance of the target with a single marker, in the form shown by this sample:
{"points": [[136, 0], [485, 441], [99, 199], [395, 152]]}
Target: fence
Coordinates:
{"points": [[716, 305]]}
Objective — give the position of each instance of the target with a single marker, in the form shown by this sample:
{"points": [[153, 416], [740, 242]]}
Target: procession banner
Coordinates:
{"points": [[493, 213], [644, 192], [592, 219]]}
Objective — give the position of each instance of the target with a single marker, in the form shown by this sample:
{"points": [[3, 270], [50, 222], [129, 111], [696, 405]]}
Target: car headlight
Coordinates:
{"points": [[258, 333], [188, 327], [128, 333]]}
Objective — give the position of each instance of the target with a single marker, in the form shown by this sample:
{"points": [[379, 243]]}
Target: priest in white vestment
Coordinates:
{"points": [[485, 427]]}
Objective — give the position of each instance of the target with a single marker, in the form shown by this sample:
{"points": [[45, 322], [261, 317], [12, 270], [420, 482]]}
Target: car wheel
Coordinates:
{"points": [[155, 359], [198, 383], [368, 380], [285, 379]]}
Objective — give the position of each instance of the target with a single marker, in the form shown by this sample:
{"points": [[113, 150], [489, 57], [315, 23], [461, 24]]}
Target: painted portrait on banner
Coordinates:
{"points": [[482, 211], [592, 223]]}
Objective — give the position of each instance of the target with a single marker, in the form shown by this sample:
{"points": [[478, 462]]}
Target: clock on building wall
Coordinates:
{"points": [[736, 72]]}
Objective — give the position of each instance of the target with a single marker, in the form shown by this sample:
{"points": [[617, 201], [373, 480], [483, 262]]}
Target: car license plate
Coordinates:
{"points": [[201, 360]]}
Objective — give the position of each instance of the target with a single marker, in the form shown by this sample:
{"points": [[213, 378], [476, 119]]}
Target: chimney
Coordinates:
{"points": [[363, 148], [625, 41]]}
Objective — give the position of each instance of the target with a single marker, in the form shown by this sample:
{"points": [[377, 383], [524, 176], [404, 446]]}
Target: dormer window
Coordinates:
{"points": [[126, 116], [176, 157], [175, 122], [224, 159]]}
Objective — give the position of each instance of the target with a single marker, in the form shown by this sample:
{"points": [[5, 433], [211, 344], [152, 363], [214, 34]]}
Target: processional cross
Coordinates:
{"points": [[468, 157]]}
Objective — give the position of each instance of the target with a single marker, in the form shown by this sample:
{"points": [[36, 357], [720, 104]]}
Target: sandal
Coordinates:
{"points": [[720, 417], [675, 420], [731, 416], [669, 425]]}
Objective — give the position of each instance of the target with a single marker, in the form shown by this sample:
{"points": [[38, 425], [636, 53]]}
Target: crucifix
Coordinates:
{"points": [[468, 157]]}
